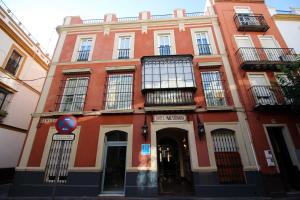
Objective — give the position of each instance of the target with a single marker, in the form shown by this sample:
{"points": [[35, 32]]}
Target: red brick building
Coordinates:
{"points": [[157, 107], [256, 52]]}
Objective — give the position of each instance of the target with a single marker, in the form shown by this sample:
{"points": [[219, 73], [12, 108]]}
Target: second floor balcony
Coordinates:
{"points": [[270, 98], [83, 55], [251, 22], [251, 58]]}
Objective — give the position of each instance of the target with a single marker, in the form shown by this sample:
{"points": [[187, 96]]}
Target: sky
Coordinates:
{"points": [[41, 17]]}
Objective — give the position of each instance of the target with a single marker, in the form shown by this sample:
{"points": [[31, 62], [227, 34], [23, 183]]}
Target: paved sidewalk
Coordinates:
{"points": [[158, 198]]}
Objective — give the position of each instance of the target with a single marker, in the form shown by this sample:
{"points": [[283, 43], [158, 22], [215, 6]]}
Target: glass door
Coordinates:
{"points": [[114, 168]]}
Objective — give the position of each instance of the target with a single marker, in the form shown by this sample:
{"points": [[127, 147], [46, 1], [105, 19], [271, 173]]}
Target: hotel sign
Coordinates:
{"points": [[169, 118]]}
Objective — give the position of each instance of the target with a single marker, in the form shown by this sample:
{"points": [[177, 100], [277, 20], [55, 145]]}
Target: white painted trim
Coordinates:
{"points": [[187, 126], [172, 39], [116, 44], [258, 73], [128, 128], [120, 68], [242, 7], [77, 46], [52, 131], [210, 64], [162, 108], [288, 141], [194, 31], [248, 36], [78, 70]]}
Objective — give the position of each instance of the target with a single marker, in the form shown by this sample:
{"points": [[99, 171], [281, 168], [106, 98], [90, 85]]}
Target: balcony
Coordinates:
{"points": [[83, 55], [246, 22], [123, 53], [204, 49], [250, 58], [164, 50], [269, 97], [170, 97]]}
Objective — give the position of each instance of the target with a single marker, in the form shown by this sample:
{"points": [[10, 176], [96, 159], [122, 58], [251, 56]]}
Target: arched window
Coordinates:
{"points": [[116, 136], [228, 160]]}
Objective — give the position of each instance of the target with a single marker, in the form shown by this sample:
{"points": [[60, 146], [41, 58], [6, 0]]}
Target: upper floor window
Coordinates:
{"points": [[13, 62], [74, 94], [119, 92], [173, 72], [124, 47], [4, 99], [164, 42], [203, 43], [84, 49], [213, 88]]}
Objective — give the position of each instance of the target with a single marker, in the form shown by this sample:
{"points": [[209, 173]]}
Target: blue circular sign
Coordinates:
{"points": [[66, 124]]}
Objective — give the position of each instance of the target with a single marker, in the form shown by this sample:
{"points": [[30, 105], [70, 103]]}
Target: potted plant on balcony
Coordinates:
{"points": [[3, 114]]}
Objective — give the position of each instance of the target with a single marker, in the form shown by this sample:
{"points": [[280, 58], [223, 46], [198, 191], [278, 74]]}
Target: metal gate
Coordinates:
{"points": [[229, 164], [58, 160]]}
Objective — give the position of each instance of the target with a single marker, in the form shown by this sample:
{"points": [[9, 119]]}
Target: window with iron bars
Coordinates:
{"points": [[13, 63], [228, 160], [56, 170], [119, 92], [74, 94], [213, 88], [203, 44]]}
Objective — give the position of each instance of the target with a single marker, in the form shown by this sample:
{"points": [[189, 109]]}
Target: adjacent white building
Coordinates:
{"points": [[23, 68], [288, 22]]}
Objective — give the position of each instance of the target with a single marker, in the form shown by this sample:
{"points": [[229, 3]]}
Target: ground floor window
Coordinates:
{"points": [[56, 170], [228, 160]]}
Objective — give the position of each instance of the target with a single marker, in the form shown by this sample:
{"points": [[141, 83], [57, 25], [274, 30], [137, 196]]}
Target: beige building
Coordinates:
{"points": [[23, 68]]}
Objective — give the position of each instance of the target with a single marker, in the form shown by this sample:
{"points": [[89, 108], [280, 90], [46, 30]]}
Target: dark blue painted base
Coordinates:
{"points": [[143, 184]]}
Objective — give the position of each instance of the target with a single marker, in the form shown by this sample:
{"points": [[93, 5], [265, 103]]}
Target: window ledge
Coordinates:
{"points": [[79, 70], [220, 108], [120, 68], [167, 108], [209, 64], [208, 56], [117, 111]]}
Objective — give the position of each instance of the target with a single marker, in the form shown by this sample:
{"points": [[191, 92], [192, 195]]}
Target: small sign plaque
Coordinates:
{"points": [[65, 137], [173, 118], [145, 149]]}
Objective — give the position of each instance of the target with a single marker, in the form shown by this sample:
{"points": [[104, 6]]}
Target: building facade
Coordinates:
{"points": [[157, 108], [256, 52], [23, 71], [288, 23]]}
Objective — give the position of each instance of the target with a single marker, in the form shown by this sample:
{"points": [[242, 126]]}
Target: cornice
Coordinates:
{"points": [[286, 17]]}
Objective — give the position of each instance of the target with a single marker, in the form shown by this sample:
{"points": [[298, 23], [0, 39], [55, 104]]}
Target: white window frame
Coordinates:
{"points": [[172, 41], [211, 40], [117, 41], [62, 100], [236, 8], [78, 45]]}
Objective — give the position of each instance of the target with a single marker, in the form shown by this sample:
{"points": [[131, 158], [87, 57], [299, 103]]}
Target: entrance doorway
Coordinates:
{"points": [[288, 172], [113, 179], [173, 160]]}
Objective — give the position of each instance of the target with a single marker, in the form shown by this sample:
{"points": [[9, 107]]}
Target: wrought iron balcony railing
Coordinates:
{"points": [[169, 97], [265, 58], [164, 50], [250, 22], [204, 49], [265, 97], [123, 53], [83, 55]]}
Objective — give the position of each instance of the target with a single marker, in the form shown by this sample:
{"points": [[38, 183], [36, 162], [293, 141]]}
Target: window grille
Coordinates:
{"points": [[58, 161], [124, 47], [73, 97], [203, 43], [229, 164], [84, 50], [213, 88], [13, 62], [119, 92]]}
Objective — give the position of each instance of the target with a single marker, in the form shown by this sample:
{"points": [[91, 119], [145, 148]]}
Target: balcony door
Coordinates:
{"points": [[246, 17], [247, 50], [261, 90], [270, 48]]}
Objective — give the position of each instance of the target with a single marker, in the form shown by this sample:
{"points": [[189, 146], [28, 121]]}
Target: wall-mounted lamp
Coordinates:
{"points": [[200, 127], [145, 128]]}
